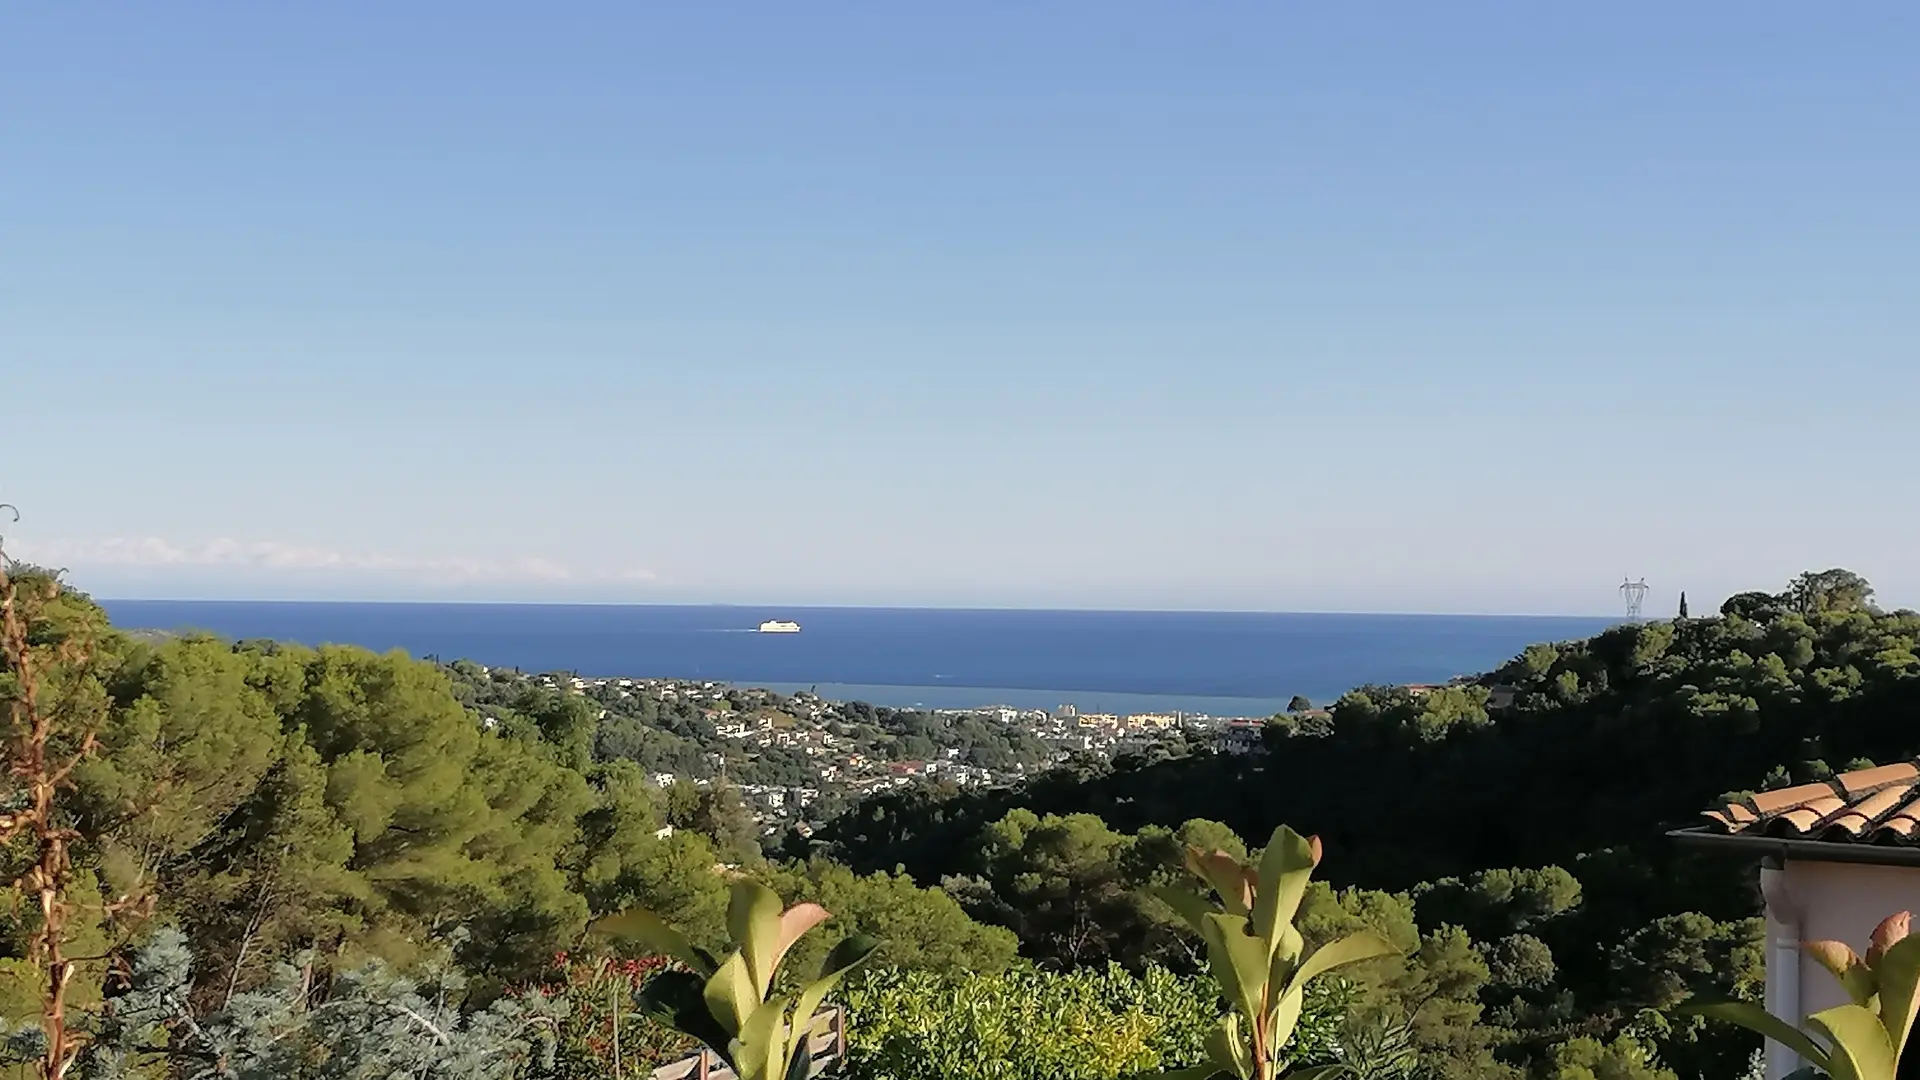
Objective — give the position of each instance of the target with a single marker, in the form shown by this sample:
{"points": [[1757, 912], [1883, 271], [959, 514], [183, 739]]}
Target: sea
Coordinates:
{"points": [[1223, 664]]}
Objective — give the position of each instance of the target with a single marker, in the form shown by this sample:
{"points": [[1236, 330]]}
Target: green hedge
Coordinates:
{"points": [[1028, 1023]]}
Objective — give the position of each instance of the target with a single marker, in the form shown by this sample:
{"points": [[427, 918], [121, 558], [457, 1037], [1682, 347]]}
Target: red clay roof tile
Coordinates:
{"points": [[1773, 802], [1876, 805], [1811, 813], [1861, 815], [1860, 780]]}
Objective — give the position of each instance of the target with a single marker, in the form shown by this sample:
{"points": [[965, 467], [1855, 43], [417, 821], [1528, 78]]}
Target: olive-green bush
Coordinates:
{"points": [[1028, 1023]]}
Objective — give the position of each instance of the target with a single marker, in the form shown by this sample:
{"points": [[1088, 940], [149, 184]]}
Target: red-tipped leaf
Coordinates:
{"points": [[794, 923], [1889, 933], [1836, 956], [1227, 876]]}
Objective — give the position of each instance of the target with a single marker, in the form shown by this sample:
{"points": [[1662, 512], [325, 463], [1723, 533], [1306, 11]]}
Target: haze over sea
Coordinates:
{"points": [[1219, 663]]}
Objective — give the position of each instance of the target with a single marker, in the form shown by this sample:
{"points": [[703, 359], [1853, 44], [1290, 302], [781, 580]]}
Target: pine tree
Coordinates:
{"points": [[277, 877], [53, 702]]}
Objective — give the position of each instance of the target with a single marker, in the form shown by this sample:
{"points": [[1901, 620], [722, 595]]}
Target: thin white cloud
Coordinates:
{"points": [[156, 553]]}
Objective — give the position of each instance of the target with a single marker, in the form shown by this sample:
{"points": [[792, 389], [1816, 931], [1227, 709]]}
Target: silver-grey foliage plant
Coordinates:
{"points": [[374, 1023]]}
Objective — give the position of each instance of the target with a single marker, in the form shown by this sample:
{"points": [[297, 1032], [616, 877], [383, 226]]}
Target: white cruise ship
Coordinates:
{"points": [[778, 626]]}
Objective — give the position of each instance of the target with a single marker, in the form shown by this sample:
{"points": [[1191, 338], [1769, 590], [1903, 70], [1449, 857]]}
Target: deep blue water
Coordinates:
{"points": [[1226, 664]]}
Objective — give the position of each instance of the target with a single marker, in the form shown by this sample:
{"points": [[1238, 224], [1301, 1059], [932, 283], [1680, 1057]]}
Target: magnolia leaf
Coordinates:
{"points": [[800, 1064], [760, 1049], [1845, 964], [1227, 877], [674, 999], [1364, 945], [800, 1044], [849, 953], [652, 931], [1835, 956], [1756, 1019], [1892, 930], [731, 994], [1287, 953], [1861, 1049], [1285, 868], [1898, 979], [1192, 909], [1317, 1072], [1283, 1019], [794, 923], [1227, 1050], [1239, 962], [753, 921]]}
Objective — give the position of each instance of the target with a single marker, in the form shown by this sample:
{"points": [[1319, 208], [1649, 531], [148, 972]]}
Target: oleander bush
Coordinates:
{"points": [[1090, 1024]]}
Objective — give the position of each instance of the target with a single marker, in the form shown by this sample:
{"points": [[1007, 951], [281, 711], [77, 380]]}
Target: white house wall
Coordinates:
{"points": [[1819, 901]]}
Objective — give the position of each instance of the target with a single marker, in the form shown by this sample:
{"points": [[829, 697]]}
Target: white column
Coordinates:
{"points": [[1783, 962]]}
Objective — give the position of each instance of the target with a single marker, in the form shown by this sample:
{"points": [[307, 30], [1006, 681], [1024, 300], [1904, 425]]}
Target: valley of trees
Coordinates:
{"points": [[1524, 844], [333, 809], [265, 832]]}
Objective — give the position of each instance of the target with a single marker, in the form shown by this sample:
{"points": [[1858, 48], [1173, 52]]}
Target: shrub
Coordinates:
{"points": [[366, 1022], [1027, 1023], [595, 992]]}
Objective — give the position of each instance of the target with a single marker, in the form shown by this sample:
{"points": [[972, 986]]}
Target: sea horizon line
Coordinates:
{"points": [[817, 606]]}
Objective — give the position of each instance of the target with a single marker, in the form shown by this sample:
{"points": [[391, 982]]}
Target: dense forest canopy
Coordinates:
{"points": [[274, 801], [330, 807], [1524, 809]]}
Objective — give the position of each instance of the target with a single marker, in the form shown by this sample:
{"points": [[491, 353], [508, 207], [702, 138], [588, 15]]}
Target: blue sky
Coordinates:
{"points": [[1461, 307]]}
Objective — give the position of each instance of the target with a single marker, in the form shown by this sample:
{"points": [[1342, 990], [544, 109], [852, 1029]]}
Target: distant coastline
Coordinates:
{"points": [[1222, 664], [980, 697]]}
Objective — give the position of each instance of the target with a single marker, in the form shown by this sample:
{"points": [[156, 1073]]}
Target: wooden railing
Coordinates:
{"points": [[825, 1048]]}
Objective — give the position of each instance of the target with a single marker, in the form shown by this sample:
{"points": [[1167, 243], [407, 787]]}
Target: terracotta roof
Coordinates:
{"points": [[1880, 805]]}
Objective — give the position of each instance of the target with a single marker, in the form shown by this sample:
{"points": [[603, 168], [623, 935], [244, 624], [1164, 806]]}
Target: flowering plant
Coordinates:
{"points": [[602, 1034]]}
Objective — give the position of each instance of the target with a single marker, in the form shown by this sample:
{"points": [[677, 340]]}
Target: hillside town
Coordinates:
{"points": [[795, 760], [799, 758]]}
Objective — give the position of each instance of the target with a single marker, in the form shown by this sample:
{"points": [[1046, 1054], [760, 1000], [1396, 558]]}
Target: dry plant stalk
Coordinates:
{"points": [[50, 731]]}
